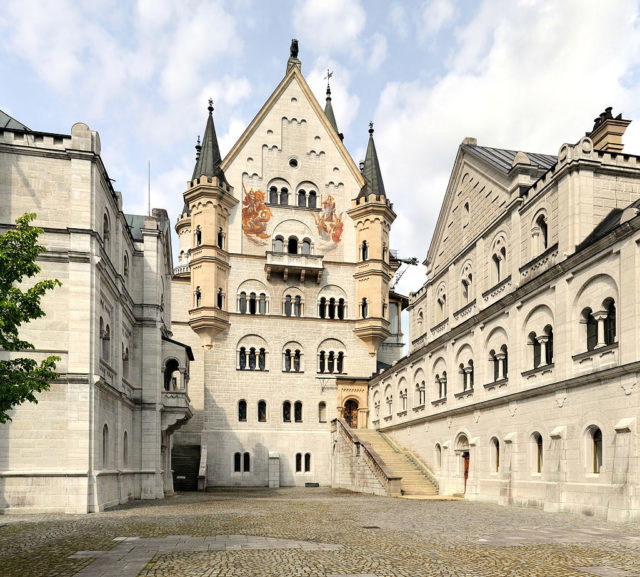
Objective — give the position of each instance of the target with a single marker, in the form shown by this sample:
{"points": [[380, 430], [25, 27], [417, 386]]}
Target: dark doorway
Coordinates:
{"points": [[351, 413], [465, 462], [185, 462]]}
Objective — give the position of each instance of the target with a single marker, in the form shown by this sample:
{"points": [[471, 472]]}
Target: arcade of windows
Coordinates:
{"points": [[286, 411], [292, 245], [252, 359], [297, 412], [241, 463], [253, 304], [307, 462], [330, 362], [332, 308], [303, 199]]}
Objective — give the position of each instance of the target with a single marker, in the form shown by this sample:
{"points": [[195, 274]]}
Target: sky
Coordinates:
{"points": [[518, 74]]}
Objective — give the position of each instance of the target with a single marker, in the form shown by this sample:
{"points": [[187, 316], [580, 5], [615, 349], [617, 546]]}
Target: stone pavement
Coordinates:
{"points": [[315, 532]]}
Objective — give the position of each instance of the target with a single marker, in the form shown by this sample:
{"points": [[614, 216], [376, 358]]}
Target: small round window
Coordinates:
{"points": [[293, 162]]}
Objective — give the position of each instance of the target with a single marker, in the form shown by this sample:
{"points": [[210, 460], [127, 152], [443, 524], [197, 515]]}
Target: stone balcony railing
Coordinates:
{"points": [[539, 264], [304, 265], [181, 270]]}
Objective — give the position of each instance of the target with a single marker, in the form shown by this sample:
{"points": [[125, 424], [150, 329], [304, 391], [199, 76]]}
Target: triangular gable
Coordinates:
{"points": [[471, 172], [294, 74]]}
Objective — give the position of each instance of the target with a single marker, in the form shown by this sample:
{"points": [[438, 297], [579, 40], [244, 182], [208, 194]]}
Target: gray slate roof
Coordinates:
{"points": [[502, 159], [373, 183], [9, 123], [328, 111], [208, 163]]}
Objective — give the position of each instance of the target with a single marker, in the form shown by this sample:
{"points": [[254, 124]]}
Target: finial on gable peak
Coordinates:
{"points": [[371, 127], [210, 107], [293, 50], [293, 56]]}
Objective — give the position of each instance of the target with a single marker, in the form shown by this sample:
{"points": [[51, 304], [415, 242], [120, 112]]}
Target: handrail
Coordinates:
{"points": [[413, 458], [388, 480]]}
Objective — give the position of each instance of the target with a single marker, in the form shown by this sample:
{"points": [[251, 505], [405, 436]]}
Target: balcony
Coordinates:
{"points": [[175, 409], [183, 269], [302, 265]]}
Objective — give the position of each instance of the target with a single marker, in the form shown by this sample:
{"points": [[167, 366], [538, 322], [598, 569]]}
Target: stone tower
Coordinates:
{"points": [[208, 203], [373, 215]]}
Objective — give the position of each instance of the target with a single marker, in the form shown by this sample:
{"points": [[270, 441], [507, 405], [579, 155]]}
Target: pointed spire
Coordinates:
{"points": [[328, 109], [373, 183], [208, 157]]}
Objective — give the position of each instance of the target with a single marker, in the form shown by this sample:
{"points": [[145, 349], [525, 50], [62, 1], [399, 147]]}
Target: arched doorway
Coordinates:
{"points": [[462, 449], [350, 413]]}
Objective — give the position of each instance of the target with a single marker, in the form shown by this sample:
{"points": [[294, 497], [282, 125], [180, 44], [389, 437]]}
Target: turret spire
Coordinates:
{"points": [[208, 157], [373, 183], [328, 109]]}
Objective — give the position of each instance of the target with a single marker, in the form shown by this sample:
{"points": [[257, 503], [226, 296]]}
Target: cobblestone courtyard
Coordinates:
{"points": [[315, 532]]}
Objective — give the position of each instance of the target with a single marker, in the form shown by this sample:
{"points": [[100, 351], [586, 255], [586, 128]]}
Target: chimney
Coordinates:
{"points": [[607, 131]]}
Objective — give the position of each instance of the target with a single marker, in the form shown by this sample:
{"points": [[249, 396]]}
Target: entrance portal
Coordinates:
{"points": [[465, 461], [350, 413]]}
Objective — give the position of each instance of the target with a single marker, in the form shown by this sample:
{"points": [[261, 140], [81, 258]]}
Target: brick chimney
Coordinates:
{"points": [[607, 131]]}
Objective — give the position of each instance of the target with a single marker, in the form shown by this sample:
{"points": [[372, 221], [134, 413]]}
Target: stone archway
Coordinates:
{"points": [[350, 413]]}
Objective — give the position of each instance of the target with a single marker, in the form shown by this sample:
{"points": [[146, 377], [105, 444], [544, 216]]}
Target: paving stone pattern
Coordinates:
{"points": [[315, 532]]}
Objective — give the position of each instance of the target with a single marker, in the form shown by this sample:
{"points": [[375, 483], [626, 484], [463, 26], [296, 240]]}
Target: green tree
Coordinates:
{"points": [[21, 378]]}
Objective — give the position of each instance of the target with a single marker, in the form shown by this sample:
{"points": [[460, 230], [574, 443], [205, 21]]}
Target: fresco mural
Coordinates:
{"points": [[255, 215], [329, 223]]}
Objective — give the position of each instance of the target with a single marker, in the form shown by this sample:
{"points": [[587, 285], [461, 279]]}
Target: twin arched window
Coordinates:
{"points": [[302, 199], [542, 346], [282, 198], [441, 384], [500, 363], [292, 306], [241, 463], [292, 361], [420, 393], [601, 325], [466, 373], [307, 462]]}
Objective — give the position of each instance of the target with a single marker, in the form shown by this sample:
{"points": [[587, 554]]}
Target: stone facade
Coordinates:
{"points": [[101, 435], [520, 385], [269, 293]]}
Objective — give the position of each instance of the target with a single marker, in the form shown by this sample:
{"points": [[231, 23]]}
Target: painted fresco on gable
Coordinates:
{"points": [[255, 214], [329, 223]]}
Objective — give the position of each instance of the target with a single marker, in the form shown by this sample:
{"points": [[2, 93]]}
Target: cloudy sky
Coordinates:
{"points": [[519, 74]]}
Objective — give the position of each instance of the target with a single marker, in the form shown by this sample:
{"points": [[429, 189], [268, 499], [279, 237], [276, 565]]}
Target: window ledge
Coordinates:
{"points": [[419, 408], [441, 401], [388, 417], [497, 288], [288, 372], [463, 394], [500, 383], [402, 413], [595, 352], [375, 422], [252, 371], [465, 310], [542, 369]]}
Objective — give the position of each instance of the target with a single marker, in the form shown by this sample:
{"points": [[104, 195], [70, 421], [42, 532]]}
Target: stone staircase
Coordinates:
{"points": [[417, 480]]}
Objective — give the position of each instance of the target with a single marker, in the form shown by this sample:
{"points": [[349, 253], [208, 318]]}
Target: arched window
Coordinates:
{"points": [[243, 303], [322, 412], [220, 299], [106, 234], [330, 362], [287, 306], [438, 456], [537, 349], [306, 246], [332, 308], [296, 361], [389, 401], [548, 353], [340, 363], [544, 232], [403, 399], [307, 462], [441, 382], [312, 199], [302, 198], [495, 455], [220, 238], [292, 245], [247, 463], [125, 450], [592, 328], [297, 306], [287, 360], [297, 412], [596, 448], [465, 215], [252, 359], [125, 361], [278, 244], [242, 359], [262, 411], [273, 195], [106, 342], [298, 462], [197, 298], [262, 359], [262, 304], [341, 309], [242, 411], [197, 236], [284, 196], [105, 447], [321, 362], [364, 309], [322, 308], [364, 251], [610, 322], [171, 375], [420, 393], [537, 452], [286, 412], [253, 304], [442, 307], [237, 463], [505, 361]]}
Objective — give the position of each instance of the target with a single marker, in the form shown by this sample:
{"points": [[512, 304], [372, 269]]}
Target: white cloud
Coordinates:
{"points": [[377, 52], [398, 18], [435, 15], [329, 25], [527, 77]]}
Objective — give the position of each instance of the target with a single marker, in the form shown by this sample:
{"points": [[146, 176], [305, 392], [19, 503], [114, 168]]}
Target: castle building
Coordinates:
{"points": [[521, 382], [282, 292], [101, 435]]}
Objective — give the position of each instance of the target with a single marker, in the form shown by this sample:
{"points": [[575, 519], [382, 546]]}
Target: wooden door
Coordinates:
{"points": [[465, 460], [351, 413]]}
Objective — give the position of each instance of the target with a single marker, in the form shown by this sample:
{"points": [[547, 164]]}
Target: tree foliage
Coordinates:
{"points": [[21, 377]]}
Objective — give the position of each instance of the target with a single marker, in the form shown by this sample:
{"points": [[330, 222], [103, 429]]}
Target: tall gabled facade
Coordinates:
{"points": [[274, 285], [524, 353]]}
